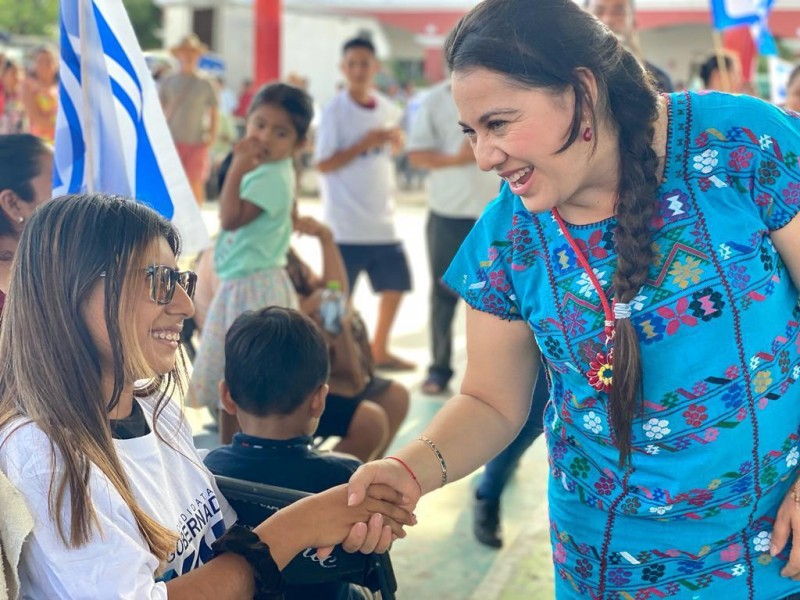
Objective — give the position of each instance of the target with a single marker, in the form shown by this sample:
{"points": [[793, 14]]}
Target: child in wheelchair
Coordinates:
{"points": [[276, 369]]}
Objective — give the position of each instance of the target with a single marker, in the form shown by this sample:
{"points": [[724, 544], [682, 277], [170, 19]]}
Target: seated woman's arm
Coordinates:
{"points": [[323, 519], [116, 562]]}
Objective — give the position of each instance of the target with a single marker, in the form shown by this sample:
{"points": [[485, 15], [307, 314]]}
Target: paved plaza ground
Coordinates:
{"points": [[440, 559]]}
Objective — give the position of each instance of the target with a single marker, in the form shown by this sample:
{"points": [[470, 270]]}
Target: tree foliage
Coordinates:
{"points": [[40, 17], [146, 20], [29, 17]]}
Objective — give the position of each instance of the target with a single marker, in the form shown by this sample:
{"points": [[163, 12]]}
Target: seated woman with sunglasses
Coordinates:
{"points": [[89, 435]]}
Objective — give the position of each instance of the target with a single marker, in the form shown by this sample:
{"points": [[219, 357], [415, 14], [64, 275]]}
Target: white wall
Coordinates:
{"points": [[404, 44], [676, 48], [234, 39], [311, 47], [311, 43], [176, 23]]}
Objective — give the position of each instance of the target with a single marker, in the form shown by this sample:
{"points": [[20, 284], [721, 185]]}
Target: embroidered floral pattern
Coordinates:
{"points": [[686, 272], [592, 422], [791, 194], [762, 381], [587, 287], [762, 541], [706, 161], [695, 415], [655, 429], [792, 457], [740, 159], [601, 372]]}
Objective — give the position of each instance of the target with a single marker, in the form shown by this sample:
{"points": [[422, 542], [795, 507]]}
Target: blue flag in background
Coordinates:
{"points": [[734, 13], [111, 134], [762, 36], [755, 13]]}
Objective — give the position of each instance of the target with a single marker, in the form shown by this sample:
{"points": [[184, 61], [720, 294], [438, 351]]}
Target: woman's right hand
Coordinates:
{"points": [[390, 473], [324, 520]]}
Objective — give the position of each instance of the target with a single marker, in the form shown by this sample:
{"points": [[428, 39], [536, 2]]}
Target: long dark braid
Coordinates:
{"points": [[548, 50], [635, 110]]}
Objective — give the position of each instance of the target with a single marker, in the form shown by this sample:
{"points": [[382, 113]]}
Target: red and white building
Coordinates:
{"points": [[674, 34]]}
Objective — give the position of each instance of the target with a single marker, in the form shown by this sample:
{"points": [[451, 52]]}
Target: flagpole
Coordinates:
{"points": [[722, 65], [87, 114]]}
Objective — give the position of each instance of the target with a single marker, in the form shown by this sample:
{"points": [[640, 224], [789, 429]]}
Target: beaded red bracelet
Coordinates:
{"points": [[407, 468]]}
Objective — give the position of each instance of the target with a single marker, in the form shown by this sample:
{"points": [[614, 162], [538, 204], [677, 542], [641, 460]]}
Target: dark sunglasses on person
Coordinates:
{"points": [[163, 280]]}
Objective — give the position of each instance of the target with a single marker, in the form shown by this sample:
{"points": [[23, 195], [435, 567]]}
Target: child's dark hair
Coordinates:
{"points": [[274, 359], [358, 42], [293, 100], [711, 64]]}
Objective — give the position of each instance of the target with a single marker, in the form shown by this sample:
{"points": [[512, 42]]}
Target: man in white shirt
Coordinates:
{"points": [[357, 135], [458, 192], [620, 17]]}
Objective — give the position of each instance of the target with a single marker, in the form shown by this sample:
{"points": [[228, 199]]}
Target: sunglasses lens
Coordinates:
{"points": [[188, 281], [163, 282], [162, 285]]}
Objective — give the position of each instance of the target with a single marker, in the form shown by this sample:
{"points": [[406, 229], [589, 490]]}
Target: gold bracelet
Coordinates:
{"points": [[439, 457], [796, 495]]}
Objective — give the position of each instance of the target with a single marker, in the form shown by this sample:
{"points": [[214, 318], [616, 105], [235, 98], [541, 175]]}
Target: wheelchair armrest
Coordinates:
{"points": [[256, 502]]}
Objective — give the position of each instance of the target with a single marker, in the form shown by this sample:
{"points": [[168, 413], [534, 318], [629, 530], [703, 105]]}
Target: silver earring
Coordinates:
{"points": [[20, 220]]}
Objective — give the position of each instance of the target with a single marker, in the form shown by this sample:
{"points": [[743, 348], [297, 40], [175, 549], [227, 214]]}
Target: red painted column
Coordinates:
{"points": [[433, 65], [267, 42], [433, 60]]}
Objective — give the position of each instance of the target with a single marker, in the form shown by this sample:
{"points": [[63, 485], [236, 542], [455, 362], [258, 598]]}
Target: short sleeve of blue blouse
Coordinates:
{"points": [[481, 270], [751, 146]]}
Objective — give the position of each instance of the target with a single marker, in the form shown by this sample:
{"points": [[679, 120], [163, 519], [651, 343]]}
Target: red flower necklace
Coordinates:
{"points": [[601, 369]]}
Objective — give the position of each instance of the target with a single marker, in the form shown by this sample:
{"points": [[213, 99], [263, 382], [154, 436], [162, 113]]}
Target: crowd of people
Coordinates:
{"points": [[629, 257], [29, 97]]}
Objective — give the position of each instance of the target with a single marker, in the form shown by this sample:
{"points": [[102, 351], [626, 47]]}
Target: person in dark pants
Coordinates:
{"points": [[444, 236], [457, 194], [497, 472]]}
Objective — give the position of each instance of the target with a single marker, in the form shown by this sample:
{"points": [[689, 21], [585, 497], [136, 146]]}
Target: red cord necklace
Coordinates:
{"points": [[601, 369]]}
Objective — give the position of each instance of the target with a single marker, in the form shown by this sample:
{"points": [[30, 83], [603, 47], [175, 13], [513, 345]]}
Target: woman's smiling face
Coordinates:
{"points": [[518, 132], [157, 327]]}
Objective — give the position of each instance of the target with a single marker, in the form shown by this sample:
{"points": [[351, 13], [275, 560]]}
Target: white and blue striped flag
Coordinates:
{"points": [[111, 134], [755, 13]]}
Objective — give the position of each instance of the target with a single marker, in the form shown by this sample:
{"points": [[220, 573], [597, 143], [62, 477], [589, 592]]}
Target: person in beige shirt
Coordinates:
{"points": [[190, 105]]}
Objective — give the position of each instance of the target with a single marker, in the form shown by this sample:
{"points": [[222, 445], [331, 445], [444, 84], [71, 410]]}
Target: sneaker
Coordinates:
{"points": [[486, 522]]}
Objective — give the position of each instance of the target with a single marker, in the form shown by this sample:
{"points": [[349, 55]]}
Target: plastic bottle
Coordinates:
{"points": [[331, 307]]}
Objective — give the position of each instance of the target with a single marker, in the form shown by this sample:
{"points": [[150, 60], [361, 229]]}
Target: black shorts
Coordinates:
{"points": [[385, 264], [339, 410]]}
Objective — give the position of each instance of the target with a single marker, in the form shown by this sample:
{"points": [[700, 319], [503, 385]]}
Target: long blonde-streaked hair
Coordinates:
{"points": [[51, 371]]}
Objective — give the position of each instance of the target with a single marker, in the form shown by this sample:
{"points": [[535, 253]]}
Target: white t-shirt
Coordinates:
{"points": [[457, 192], [171, 485], [358, 199]]}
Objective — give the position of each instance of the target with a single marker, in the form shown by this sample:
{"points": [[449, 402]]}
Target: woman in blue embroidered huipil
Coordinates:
{"points": [[648, 249]]}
